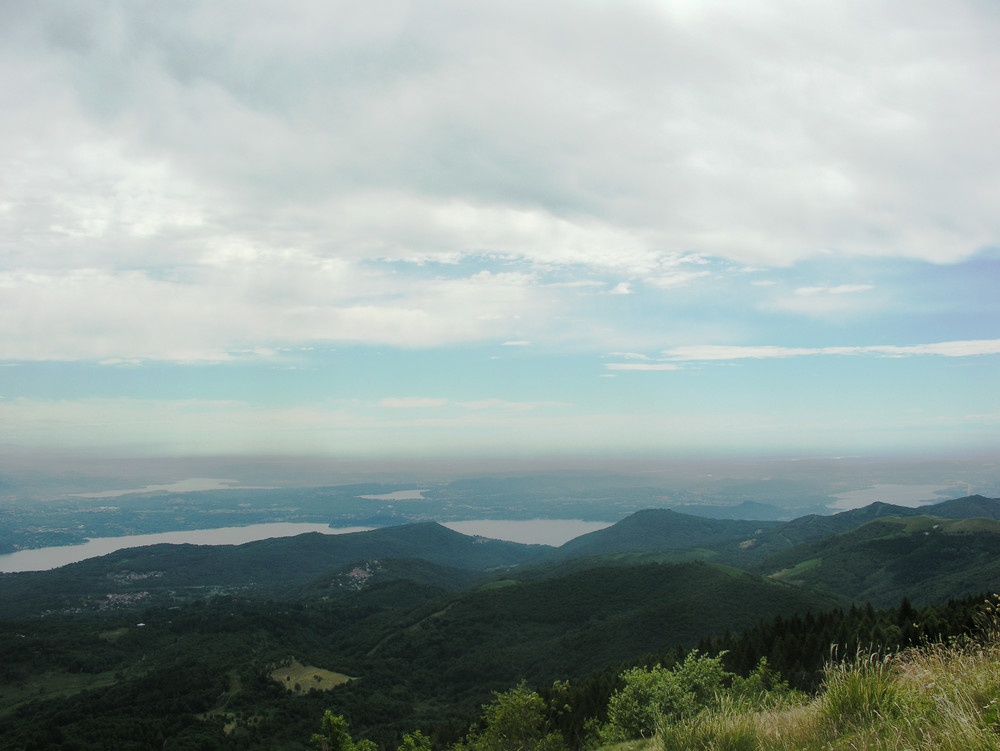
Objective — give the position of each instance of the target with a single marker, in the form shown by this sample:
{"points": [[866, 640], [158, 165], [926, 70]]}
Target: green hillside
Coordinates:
{"points": [[658, 529], [924, 558], [166, 574], [745, 553], [970, 507], [750, 551], [567, 626], [419, 656]]}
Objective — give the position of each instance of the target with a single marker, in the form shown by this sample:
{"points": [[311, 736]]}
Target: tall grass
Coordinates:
{"points": [[937, 697]]}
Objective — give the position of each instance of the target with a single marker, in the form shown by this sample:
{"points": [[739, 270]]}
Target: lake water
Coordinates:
{"points": [[536, 531], [553, 532], [898, 495], [43, 559]]}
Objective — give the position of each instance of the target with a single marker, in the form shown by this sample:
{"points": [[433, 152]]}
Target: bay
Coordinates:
{"points": [[552, 532], [44, 559]]}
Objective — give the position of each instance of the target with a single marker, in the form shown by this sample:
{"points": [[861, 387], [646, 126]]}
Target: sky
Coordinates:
{"points": [[546, 228]]}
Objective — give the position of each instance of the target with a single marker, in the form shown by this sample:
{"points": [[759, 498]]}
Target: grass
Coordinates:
{"points": [[301, 678], [937, 697], [789, 574], [50, 685]]}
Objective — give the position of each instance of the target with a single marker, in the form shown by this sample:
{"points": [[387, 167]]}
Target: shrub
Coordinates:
{"points": [[653, 695], [514, 721]]}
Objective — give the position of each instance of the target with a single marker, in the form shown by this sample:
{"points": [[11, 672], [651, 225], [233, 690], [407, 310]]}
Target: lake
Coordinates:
{"points": [[553, 532], [535, 531], [43, 559], [898, 495]]}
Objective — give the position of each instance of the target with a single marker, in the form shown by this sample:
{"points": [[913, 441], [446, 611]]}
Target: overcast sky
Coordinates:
{"points": [[510, 228]]}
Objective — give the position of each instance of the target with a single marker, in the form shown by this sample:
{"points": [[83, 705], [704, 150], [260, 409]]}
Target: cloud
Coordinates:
{"points": [[240, 307], [838, 300], [765, 133], [192, 182], [502, 404], [412, 402], [641, 366], [630, 355], [840, 289], [711, 352]]}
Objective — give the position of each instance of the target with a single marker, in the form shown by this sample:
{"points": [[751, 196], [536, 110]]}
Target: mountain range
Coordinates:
{"points": [[423, 622]]}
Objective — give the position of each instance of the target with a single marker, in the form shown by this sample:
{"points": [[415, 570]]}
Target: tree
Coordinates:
{"points": [[415, 741], [654, 694], [514, 721], [334, 736]]}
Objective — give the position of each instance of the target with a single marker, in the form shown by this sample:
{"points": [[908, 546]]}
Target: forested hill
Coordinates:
{"points": [[262, 564], [751, 551], [924, 558], [657, 529], [573, 624]]}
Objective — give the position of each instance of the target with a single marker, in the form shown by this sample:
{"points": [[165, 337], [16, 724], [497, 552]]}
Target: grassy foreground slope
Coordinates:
{"points": [[938, 697]]}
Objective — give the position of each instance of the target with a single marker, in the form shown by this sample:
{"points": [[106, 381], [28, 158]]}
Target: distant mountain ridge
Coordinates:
{"points": [[262, 563], [652, 535], [746, 553], [657, 529], [924, 558]]}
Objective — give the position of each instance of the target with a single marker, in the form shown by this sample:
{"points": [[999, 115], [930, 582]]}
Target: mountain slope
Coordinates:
{"points": [[970, 507], [657, 529], [171, 570], [566, 626], [923, 558], [747, 553]]}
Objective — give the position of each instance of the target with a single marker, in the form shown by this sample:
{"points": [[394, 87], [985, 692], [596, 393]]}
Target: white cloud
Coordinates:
{"points": [[243, 307], [412, 402], [762, 132], [713, 352], [838, 300], [641, 366], [630, 355], [503, 404], [840, 289], [190, 182]]}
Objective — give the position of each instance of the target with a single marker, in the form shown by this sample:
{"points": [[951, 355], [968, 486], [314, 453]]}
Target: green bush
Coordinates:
{"points": [[763, 689], [515, 721], [654, 695], [334, 736]]}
